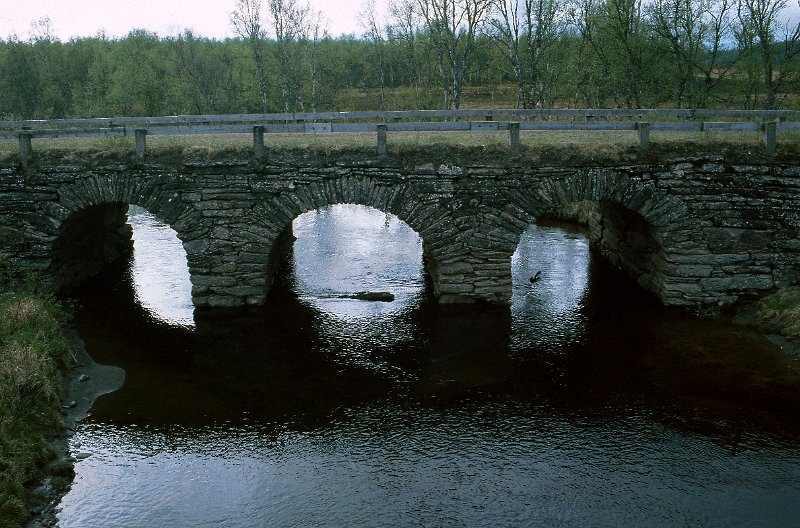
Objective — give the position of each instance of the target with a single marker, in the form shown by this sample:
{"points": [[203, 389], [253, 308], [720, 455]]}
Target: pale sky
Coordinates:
{"points": [[208, 18]]}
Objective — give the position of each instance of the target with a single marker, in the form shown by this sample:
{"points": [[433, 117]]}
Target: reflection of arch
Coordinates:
{"points": [[636, 222], [89, 224]]}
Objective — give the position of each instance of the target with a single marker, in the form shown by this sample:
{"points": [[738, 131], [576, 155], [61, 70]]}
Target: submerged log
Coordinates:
{"points": [[369, 296]]}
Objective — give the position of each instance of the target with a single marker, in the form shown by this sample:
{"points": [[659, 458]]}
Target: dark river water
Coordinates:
{"points": [[585, 404]]}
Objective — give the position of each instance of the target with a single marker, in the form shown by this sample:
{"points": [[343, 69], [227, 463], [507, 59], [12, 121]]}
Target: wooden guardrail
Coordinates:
{"points": [[643, 121]]}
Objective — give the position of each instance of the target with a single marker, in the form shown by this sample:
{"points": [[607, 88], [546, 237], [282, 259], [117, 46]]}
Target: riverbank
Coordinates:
{"points": [[780, 313], [34, 356], [84, 382], [47, 384]]}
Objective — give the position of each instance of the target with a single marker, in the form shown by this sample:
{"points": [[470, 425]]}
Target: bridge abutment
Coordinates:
{"points": [[233, 274]]}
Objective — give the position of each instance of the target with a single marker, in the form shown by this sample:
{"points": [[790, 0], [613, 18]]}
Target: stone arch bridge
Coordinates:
{"points": [[692, 231]]}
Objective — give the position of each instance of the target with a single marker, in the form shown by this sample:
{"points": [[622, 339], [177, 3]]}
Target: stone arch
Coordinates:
{"points": [[460, 253], [636, 224], [275, 214], [90, 230]]}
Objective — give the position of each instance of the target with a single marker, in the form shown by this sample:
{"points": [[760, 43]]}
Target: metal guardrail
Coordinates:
{"points": [[641, 120]]}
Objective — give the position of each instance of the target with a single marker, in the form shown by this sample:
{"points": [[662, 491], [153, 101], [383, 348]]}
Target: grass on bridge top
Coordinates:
{"points": [[538, 147]]}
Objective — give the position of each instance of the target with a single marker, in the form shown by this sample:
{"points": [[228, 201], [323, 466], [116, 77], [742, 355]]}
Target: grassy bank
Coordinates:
{"points": [[779, 313], [33, 353]]}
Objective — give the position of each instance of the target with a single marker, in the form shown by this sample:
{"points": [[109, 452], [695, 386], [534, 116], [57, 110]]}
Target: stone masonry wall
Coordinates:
{"points": [[692, 231]]}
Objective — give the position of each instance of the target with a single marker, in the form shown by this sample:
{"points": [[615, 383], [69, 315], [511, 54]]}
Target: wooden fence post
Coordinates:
{"points": [[258, 141], [513, 129], [644, 135], [381, 140], [770, 137], [141, 142], [25, 147]]}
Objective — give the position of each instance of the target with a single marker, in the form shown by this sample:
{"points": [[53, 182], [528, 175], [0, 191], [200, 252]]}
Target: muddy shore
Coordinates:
{"points": [[84, 383]]}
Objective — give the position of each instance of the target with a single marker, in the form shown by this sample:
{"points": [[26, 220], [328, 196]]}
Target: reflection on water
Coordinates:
{"points": [[167, 294], [339, 251], [548, 313], [585, 404]]}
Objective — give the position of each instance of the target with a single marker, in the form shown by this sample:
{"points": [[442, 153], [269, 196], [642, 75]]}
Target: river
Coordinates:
{"points": [[585, 404]]}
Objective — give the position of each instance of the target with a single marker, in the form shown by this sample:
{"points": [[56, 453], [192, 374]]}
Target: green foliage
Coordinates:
{"points": [[33, 352], [581, 212], [587, 53]]}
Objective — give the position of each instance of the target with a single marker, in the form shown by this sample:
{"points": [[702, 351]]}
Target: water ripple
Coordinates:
{"points": [[585, 404]]}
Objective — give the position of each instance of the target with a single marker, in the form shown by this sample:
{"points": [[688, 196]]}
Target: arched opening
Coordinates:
{"points": [[356, 260], [551, 268], [361, 271], [623, 236], [147, 251], [88, 241], [629, 242], [550, 274]]}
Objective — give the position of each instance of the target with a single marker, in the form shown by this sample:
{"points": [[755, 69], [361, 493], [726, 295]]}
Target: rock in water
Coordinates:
{"points": [[370, 296]]}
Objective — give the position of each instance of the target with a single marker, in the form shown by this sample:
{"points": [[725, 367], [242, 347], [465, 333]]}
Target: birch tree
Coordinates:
{"points": [[405, 15], [315, 31], [373, 31], [288, 19], [770, 44], [246, 20], [453, 26], [691, 33], [507, 34], [527, 32]]}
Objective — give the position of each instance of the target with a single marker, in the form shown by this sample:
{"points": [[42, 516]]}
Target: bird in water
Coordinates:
{"points": [[536, 277]]}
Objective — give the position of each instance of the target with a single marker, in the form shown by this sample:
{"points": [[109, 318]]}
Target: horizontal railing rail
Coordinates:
{"points": [[770, 122], [418, 115]]}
